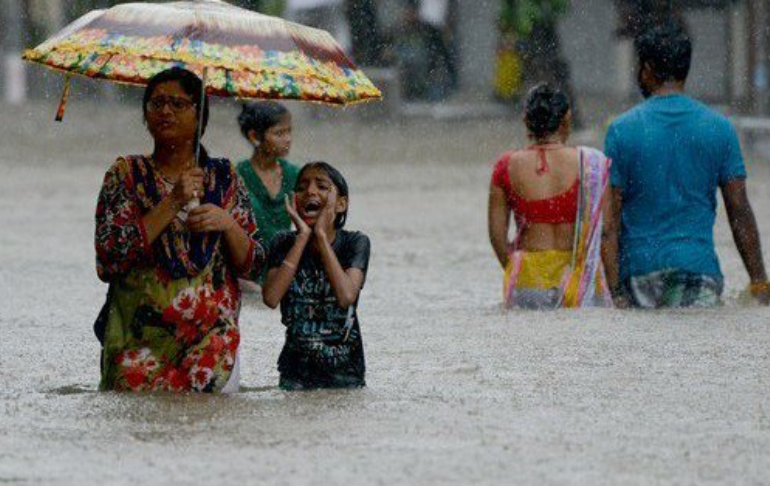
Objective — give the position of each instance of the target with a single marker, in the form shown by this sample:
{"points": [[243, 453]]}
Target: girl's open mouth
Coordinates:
{"points": [[312, 208]]}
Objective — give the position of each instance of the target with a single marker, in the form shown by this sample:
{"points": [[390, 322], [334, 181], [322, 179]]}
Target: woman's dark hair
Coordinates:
{"points": [[190, 83], [260, 116], [667, 49], [545, 110], [338, 181]]}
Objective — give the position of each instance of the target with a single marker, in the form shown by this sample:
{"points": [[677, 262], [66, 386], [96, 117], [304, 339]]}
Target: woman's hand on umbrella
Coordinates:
{"points": [[189, 186], [291, 210], [209, 218]]}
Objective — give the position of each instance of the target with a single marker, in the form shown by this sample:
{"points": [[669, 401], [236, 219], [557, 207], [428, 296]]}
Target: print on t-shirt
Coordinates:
{"points": [[323, 340]]}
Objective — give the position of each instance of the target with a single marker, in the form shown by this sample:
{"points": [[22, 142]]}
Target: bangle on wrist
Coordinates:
{"points": [[759, 287], [289, 264]]}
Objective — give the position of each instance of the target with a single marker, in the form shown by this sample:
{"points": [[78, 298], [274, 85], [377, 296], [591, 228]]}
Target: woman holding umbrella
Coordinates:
{"points": [[171, 317]]}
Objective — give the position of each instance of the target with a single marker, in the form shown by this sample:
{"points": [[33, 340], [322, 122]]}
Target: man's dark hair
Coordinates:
{"points": [[190, 83], [667, 49]]}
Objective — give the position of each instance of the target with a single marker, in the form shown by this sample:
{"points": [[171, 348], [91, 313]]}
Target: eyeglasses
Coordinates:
{"points": [[177, 105]]}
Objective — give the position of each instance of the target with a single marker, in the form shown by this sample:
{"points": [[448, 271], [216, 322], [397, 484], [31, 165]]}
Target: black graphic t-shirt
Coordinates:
{"points": [[323, 340]]}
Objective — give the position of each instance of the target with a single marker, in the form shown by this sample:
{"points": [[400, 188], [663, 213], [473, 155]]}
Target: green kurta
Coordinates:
{"points": [[270, 212]]}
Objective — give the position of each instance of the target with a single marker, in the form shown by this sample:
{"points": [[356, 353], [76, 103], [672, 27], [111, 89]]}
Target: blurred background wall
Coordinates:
{"points": [[478, 51]]}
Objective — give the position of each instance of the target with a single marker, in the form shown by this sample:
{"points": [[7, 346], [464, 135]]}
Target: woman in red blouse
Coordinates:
{"points": [[555, 194]]}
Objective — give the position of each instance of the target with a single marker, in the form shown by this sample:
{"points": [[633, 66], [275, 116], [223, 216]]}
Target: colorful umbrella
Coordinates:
{"points": [[238, 52]]}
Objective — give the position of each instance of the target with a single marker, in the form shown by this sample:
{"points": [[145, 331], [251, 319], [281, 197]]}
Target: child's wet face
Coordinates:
{"points": [[277, 139], [314, 191]]}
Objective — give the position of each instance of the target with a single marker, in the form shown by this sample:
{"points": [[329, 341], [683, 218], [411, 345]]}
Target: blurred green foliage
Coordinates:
{"points": [[520, 16]]}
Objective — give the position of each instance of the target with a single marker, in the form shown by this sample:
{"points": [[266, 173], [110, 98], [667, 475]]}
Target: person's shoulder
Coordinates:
{"points": [[282, 241], [699, 105], [289, 167], [288, 164], [594, 157], [629, 117], [128, 160], [284, 236], [511, 155], [354, 249], [124, 164], [353, 237], [221, 167], [242, 166], [220, 163], [352, 234], [591, 151], [712, 116]]}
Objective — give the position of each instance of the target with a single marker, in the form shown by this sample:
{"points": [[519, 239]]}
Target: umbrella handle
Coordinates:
{"points": [[63, 102], [200, 118], [185, 211], [194, 203]]}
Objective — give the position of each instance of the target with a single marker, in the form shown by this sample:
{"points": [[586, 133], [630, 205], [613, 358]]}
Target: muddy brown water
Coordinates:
{"points": [[459, 391]]}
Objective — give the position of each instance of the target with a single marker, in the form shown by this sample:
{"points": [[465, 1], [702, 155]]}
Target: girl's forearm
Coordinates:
{"points": [[279, 279], [345, 289]]}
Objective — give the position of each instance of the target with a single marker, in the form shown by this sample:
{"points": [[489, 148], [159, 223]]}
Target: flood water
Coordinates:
{"points": [[459, 392]]}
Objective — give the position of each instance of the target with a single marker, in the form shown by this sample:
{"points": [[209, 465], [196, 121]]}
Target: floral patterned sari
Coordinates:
{"points": [[171, 317]]}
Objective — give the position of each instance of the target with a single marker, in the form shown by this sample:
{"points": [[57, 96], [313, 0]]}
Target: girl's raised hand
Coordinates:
{"points": [[328, 213], [291, 209]]}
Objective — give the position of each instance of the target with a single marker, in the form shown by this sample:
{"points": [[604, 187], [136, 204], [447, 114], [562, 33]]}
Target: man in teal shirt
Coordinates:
{"points": [[669, 155]]}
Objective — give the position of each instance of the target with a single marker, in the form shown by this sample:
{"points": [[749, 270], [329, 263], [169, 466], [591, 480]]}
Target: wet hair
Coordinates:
{"points": [[260, 116], [667, 49], [190, 83], [545, 109], [338, 181]]}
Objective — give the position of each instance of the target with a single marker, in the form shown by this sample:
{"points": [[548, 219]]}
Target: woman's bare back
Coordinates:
{"points": [[533, 180]]}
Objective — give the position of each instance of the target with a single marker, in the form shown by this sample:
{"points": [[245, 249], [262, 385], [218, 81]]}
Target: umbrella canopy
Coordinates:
{"points": [[238, 52]]}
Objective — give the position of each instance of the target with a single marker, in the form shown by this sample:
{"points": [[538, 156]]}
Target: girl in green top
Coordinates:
{"points": [[268, 176]]}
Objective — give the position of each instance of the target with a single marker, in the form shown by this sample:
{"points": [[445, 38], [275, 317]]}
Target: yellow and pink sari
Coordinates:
{"points": [[562, 279]]}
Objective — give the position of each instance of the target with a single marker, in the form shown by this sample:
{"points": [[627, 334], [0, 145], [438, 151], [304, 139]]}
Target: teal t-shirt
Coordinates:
{"points": [[669, 155], [270, 212]]}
